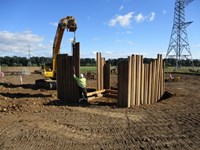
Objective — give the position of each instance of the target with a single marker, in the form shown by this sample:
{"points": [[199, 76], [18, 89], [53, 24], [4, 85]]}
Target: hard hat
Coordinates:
{"points": [[81, 75]]}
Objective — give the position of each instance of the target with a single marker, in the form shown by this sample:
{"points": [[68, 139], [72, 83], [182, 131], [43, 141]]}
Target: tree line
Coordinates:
{"points": [[39, 61]]}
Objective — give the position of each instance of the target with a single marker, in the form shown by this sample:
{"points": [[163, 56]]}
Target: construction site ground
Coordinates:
{"points": [[34, 119]]}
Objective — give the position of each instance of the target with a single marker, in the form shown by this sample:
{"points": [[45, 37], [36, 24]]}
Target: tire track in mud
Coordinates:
{"points": [[159, 132], [112, 125], [69, 132], [111, 114], [99, 129], [39, 134]]}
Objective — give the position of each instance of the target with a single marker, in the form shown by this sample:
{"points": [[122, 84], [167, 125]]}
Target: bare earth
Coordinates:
{"points": [[33, 119]]}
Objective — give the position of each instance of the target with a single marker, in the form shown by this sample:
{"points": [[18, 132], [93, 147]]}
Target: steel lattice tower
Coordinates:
{"points": [[179, 39]]}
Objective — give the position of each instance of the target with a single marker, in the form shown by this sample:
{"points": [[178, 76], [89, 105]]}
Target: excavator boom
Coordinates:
{"points": [[68, 23]]}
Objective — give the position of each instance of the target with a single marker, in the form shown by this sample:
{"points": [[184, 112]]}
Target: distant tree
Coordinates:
{"points": [[23, 61], [196, 62], [39, 61]]}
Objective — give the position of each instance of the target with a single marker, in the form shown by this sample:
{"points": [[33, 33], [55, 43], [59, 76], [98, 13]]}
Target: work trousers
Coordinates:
{"points": [[82, 92]]}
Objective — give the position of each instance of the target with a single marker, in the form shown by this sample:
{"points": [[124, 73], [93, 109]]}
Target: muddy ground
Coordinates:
{"points": [[32, 119]]}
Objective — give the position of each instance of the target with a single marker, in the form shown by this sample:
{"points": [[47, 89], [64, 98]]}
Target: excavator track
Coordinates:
{"points": [[46, 84]]}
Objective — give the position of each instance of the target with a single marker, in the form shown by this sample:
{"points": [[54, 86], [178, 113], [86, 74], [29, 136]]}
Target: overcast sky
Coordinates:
{"points": [[117, 28]]}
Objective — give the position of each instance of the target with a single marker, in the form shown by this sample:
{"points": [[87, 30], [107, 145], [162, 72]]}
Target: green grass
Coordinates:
{"points": [[84, 69], [183, 69]]}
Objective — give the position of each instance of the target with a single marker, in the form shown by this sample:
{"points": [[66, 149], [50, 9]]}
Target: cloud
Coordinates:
{"points": [[151, 17], [124, 32], [19, 37], [70, 40], [94, 52], [125, 20], [55, 24], [107, 53], [16, 43], [121, 20], [121, 7], [139, 18]]}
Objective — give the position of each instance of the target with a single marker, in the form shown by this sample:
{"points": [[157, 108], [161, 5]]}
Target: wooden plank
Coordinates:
{"points": [[122, 84], [66, 83], [61, 96], [106, 76], [142, 82], [125, 101], [61, 76], [76, 64], [129, 82], [65, 79], [159, 77], [133, 80], [153, 82], [150, 83], [162, 77], [95, 92], [102, 63], [138, 79], [146, 72], [58, 69], [156, 81], [119, 98], [98, 58], [71, 87]]}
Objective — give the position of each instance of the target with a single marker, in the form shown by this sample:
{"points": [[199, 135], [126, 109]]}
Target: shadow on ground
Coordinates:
{"points": [[25, 86], [81, 104], [166, 96], [23, 95]]}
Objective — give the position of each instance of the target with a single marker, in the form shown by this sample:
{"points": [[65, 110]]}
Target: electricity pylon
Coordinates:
{"points": [[179, 45]]}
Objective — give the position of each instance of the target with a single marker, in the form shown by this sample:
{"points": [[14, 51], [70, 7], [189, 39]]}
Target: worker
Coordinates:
{"points": [[171, 77], [81, 83], [1, 74], [20, 78]]}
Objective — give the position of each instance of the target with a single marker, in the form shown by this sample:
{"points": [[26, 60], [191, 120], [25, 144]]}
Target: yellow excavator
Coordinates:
{"points": [[49, 70]]}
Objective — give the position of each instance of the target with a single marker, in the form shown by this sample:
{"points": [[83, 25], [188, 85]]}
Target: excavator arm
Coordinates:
{"points": [[49, 82], [68, 23]]}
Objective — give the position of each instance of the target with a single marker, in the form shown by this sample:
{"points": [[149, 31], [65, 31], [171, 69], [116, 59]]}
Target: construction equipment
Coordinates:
{"points": [[49, 70]]}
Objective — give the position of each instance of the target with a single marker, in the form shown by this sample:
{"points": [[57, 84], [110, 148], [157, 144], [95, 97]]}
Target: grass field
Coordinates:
{"points": [[167, 69], [84, 69], [19, 68], [183, 69]]}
